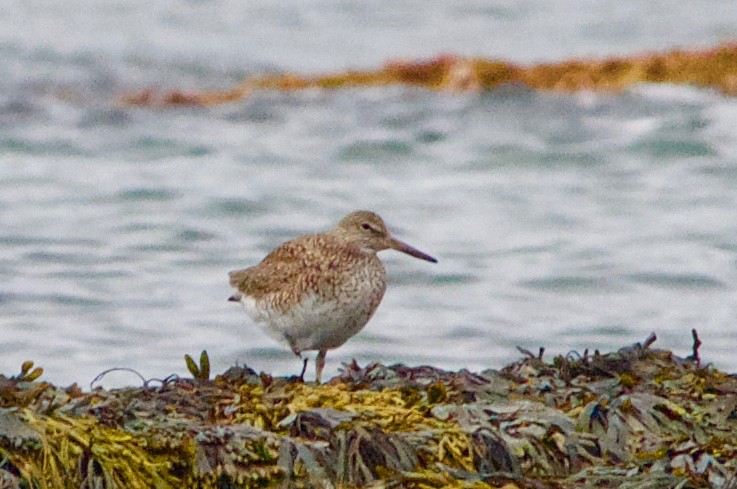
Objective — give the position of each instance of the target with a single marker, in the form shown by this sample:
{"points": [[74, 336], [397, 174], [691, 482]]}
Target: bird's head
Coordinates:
{"points": [[367, 230]]}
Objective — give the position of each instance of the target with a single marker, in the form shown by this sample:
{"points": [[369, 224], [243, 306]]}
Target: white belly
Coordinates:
{"points": [[312, 323]]}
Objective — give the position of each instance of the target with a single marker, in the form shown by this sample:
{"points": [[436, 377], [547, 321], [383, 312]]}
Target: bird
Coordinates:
{"points": [[317, 291]]}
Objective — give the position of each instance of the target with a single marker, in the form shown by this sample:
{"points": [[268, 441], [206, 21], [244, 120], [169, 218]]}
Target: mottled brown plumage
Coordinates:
{"points": [[317, 291]]}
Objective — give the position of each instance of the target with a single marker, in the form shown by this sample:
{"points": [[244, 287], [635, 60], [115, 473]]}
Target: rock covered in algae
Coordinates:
{"points": [[714, 68], [637, 417]]}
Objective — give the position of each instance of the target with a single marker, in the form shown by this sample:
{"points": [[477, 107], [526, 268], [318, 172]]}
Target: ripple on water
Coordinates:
{"points": [[464, 332], [412, 277], [191, 235], [88, 274], [569, 284], [575, 158], [137, 228], [726, 246], [146, 195], [55, 147], [255, 112], [66, 258], [375, 150], [25, 240], [156, 148], [108, 116], [677, 280], [19, 109], [673, 148], [724, 171], [373, 338], [235, 207], [268, 353], [70, 300], [607, 330], [430, 136], [154, 248], [453, 278]]}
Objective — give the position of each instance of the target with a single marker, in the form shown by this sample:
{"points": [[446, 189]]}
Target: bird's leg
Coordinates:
{"points": [[302, 373], [298, 353], [320, 363]]}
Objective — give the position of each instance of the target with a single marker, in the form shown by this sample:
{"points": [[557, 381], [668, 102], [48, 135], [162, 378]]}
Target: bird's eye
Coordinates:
{"points": [[366, 226]]}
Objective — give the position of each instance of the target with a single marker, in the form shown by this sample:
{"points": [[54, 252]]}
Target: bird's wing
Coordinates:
{"points": [[267, 277], [293, 269]]}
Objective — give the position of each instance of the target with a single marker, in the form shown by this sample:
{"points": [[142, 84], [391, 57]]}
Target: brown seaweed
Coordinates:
{"points": [[636, 417], [714, 68]]}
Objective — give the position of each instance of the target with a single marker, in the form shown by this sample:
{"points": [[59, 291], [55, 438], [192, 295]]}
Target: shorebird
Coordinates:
{"points": [[317, 291]]}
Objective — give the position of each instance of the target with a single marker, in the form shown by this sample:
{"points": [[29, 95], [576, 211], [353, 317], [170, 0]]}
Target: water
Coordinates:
{"points": [[564, 221]]}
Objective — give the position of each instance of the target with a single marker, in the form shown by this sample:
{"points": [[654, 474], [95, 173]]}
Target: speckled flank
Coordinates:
{"points": [[317, 291], [313, 301], [321, 264]]}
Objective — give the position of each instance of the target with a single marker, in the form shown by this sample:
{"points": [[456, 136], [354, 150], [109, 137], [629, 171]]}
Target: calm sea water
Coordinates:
{"points": [[564, 221]]}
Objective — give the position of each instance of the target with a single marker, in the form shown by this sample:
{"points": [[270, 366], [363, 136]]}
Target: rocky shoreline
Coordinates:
{"points": [[636, 417]]}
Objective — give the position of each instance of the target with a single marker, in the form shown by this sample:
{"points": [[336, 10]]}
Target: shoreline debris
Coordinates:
{"points": [[638, 416]]}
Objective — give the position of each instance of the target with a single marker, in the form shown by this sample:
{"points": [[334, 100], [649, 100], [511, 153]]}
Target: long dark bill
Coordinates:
{"points": [[405, 248]]}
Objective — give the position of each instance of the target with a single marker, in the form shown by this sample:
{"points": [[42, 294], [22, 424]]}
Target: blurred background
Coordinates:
{"points": [[568, 221]]}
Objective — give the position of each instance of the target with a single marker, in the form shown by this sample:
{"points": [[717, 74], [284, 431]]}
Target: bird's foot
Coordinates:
{"points": [[301, 377], [304, 369]]}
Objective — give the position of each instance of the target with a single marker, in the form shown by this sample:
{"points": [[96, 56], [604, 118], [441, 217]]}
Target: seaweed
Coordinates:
{"points": [[714, 68], [635, 417]]}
